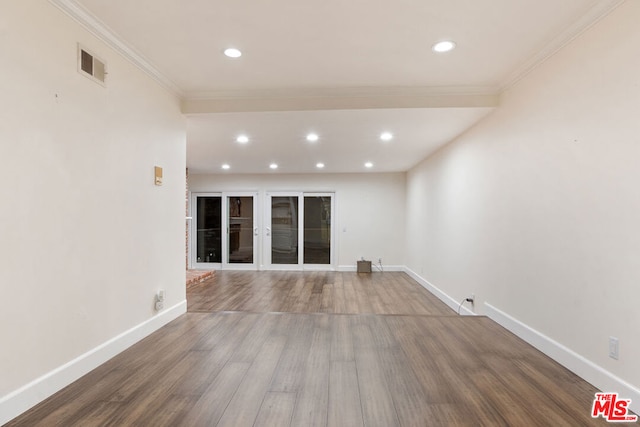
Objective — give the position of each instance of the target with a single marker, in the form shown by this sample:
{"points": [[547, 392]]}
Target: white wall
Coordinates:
{"points": [[370, 207], [536, 209], [86, 237]]}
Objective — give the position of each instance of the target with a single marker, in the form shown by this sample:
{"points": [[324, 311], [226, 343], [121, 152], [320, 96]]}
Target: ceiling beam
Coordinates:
{"points": [[339, 99]]}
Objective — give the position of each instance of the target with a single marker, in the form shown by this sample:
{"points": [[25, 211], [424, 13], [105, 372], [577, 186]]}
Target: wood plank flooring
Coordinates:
{"points": [[322, 349], [314, 292]]}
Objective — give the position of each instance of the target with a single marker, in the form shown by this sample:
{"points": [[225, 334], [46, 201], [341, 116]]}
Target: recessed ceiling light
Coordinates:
{"points": [[242, 139], [368, 165], [273, 166], [232, 52], [386, 136], [226, 166], [444, 46], [312, 137], [320, 165]]}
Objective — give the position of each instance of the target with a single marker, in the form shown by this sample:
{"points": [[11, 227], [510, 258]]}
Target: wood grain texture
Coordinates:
{"points": [[313, 292], [322, 349], [344, 400], [276, 410]]}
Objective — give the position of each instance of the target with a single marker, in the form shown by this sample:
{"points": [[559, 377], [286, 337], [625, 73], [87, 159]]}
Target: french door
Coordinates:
{"points": [[224, 230], [298, 231]]}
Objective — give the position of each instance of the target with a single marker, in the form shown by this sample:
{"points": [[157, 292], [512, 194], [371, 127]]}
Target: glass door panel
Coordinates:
{"points": [[299, 233], [317, 230], [208, 229], [284, 230], [241, 229], [224, 231]]}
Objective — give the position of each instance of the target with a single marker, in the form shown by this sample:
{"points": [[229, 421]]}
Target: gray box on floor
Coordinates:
{"points": [[364, 266]]}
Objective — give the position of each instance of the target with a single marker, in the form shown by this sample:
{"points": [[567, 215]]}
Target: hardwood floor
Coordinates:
{"points": [[322, 349], [314, 292]]}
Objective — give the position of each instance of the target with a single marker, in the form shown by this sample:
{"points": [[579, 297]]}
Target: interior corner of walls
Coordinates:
{"points": [[29, 395], [440, 294], [576, 363]]}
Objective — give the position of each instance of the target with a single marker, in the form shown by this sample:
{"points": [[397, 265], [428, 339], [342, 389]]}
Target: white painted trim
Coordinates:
{"points": [[228, 100], [445, 298], [193, 232], [226, 228], [39, 389], [591, 17], [281, 267], [374, 268], [111, 39], [584, 368], [318, 267]]}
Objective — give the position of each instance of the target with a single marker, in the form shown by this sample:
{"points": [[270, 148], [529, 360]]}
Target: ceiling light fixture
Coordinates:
{"points": [[368, 165], [232, 52], [320, 165], [242, 139], [226, 166], [312, 137], [386, 136], [273, 166], [444, 46]]}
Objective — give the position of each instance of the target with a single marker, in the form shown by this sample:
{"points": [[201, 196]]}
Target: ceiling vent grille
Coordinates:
{"points": [[90, 66]]}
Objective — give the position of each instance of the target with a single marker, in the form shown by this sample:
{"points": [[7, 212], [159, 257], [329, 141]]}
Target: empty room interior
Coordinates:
{"points": [[319, 213]]}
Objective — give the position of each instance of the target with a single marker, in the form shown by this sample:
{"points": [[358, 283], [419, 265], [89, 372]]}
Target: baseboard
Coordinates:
{"points": [[584, 368], [31, 394], [374, 268], [442, 296]]}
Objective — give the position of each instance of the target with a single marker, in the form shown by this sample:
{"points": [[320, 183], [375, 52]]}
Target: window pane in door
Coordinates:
{"points": [[209, 232], [317, 230], [284, 230], [241, 229]]}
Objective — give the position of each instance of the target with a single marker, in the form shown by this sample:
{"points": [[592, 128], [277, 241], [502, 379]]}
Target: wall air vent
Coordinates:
{"points": [[90, 66]]}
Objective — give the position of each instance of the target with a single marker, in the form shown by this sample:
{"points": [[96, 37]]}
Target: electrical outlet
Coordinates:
{"points": [[380, 260], [614, 348], [160, 295]]}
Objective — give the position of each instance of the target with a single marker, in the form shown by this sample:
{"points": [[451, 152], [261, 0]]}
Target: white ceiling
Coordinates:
{"points": [[347, 70]]}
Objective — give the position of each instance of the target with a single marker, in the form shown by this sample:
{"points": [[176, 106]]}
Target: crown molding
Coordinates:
{"points": [[109, 37], [597, 12], [349, 97]]}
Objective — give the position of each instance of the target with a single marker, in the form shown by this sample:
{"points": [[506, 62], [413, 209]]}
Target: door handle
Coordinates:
{"points": [[268, 231]]}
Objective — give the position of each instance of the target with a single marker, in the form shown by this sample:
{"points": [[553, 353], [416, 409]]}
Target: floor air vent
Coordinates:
{"points": [[91, 66]]}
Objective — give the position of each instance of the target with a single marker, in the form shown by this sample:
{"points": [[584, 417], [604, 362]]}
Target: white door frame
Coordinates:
{"points": [[193, 233], [268, 232], [332, 259], [226, 265], [224, 226]]}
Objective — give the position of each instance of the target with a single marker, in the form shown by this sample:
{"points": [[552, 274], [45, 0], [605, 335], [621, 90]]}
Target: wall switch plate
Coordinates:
{"points": [[614, 348], [158, 175]]}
